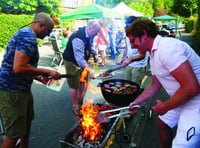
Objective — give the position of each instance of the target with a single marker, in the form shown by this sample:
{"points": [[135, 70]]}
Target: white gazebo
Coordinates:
{"points": [[127, 11]]}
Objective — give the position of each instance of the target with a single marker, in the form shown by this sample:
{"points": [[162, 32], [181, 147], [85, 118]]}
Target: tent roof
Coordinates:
{"points": [[164, 17], [90, 11], [127, 11]]}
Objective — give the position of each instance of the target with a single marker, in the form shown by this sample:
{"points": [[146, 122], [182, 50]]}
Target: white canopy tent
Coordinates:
{"points": [[127, 11]]}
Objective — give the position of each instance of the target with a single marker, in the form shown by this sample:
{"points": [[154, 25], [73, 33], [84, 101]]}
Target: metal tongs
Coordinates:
{"points": [[63, 76], [124, 111], [107, 72]]}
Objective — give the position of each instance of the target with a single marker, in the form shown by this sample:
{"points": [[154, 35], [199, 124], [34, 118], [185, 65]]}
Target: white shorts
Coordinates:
{"points": [[187, 120], [102, 47]]}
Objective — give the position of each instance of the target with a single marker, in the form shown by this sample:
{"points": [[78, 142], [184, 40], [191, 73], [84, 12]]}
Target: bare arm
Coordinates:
{"points": [[149, 92], [132, 59], [21, 66], [189, 87]]}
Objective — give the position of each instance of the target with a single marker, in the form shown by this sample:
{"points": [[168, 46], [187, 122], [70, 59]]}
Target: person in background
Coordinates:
{"points": [[171, 34], [64, 40], [102, 41], [176, 67], [112, 32], [18, 69], [54, 34], [136, 63], [78, 51]]}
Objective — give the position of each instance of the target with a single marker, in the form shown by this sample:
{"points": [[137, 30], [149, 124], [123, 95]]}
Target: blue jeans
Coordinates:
{"points": [[113, 44]]}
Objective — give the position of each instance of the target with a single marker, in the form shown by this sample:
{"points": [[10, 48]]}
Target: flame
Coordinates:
{"points": [[91, 129], [84, 74], [93, 89]]}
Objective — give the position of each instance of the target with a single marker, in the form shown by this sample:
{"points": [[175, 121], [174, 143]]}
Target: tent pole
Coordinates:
{"points": [[61, 23]]}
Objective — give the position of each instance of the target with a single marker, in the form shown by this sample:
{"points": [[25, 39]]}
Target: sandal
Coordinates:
{"points": [[100, 64]]}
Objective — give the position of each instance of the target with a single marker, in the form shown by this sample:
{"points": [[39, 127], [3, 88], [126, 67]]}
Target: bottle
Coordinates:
{"points": [[96, 67]]}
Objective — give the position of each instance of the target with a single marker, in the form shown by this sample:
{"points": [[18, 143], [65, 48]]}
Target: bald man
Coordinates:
{"points": [[18, 69], [78, 51]]}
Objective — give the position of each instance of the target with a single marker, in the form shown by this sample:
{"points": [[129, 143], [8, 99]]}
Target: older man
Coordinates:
{"points": [[175, 67], [18, 69], [78, 51]]}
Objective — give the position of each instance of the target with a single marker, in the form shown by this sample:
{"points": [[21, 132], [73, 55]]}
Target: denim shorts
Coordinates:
{"points": [[16, 110]]}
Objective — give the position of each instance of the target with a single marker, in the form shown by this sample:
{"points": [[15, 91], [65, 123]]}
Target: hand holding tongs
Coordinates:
{"points": [[63, 76], [107, 72], [101, 117]]}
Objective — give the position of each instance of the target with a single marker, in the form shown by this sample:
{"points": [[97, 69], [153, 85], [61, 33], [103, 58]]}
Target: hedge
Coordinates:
{"points": [[9, 24]]}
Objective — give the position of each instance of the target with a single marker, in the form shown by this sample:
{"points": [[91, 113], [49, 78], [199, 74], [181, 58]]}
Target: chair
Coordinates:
{"points": [[58, 58]]}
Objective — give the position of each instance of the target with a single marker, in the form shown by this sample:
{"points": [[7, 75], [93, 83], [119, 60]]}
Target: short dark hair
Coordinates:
{"points": [[65, 34], [138, 26]]}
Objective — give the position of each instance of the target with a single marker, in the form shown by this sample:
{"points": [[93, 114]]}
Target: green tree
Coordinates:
{"points": [[159, 9], [144, 7], [168, 4], [108, 3], [31, 6], [196, 41], [185, 8]]}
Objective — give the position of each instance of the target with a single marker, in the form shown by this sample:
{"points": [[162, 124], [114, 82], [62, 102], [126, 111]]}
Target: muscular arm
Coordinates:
{"points": [[149, 92], [189, 87], [21, 66]]}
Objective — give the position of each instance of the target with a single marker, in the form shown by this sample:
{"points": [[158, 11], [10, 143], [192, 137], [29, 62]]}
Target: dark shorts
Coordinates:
{"points": [[75, 71], [16, 110]]}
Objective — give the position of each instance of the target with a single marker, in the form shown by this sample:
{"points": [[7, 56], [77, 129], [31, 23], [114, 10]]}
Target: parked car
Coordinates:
{"points": [[168, 26], [171, 26]]}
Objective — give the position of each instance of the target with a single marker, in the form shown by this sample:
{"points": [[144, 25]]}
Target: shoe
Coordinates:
{"points": [[100, 64], [112, 57]]}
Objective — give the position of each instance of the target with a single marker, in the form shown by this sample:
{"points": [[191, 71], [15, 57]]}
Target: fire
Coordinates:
{"points": [[93, 89], [83, 78], [84, 75], [91, 129]]}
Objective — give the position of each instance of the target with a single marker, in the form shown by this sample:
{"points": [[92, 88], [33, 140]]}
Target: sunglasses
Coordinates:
{"points": [[49, 30]]}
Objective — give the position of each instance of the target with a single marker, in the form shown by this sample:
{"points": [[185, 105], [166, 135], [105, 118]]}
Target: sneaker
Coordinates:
{"points": [[112, 57]]}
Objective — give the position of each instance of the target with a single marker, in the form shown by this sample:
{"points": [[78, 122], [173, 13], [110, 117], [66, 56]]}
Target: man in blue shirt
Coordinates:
{"points": [[18, 69]]}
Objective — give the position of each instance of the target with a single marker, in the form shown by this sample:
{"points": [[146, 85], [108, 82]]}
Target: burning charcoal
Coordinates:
{"points": [[75, 136], [88, 145], [97, 144], [80, 141], [81, 144]]}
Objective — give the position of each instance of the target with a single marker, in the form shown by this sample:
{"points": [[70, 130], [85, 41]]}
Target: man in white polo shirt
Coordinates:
{"points": [[175, 67]]}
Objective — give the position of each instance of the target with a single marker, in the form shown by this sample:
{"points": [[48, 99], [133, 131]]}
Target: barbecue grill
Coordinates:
{"points": [[73, 138]]}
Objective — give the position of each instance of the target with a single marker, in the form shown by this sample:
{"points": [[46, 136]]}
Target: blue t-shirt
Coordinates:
{"points": [[23, 40]]}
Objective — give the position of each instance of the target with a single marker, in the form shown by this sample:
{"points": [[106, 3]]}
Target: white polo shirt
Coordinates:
{"points": [[167, 54]]}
